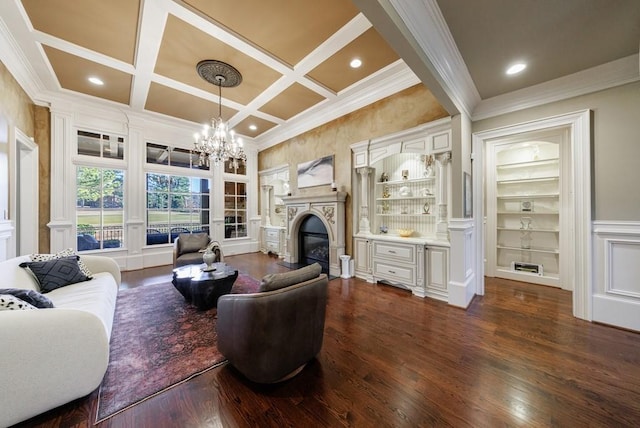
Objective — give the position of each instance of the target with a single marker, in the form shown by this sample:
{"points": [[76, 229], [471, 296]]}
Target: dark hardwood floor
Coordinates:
{"points": [[516, 357]]}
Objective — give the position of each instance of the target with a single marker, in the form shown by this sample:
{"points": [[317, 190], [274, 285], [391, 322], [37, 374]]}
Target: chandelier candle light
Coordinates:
{"points": [[217, 143]]}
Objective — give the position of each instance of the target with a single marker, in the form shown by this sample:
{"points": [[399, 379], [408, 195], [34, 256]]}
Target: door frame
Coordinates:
{"points": [[23, 195], [579, 123]]}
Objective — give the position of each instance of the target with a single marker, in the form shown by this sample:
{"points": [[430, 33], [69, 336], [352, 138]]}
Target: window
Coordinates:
{"points": [[235, 209], [159, 154], [100, 145], [234, 166], [175, 205], [99, 208]]}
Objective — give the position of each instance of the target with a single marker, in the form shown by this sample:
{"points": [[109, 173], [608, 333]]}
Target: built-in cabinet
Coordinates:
{"points": [[274, 186], [401, 199], [524, 210]]}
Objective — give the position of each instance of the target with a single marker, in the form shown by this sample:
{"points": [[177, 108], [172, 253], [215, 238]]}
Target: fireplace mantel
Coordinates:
{"points": [[330, 209]]}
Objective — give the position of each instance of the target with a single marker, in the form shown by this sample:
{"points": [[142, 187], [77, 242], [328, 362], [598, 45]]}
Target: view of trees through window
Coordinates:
{"points": [[176, 204], [99, 208]]}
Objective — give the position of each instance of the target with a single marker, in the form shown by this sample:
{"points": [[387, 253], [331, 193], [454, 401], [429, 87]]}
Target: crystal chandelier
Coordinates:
{"points": [[217, 143]]}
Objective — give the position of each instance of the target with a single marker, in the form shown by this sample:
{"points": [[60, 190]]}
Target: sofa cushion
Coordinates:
{"points": [[275, 281], [31, 297], [192, 242], [64, 253], [56, 273], [9, 302]]}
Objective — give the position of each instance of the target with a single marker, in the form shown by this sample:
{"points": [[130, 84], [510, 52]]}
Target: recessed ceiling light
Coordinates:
{"points": [[253, 127], [516, 68], [355, 63], [96, 81]]}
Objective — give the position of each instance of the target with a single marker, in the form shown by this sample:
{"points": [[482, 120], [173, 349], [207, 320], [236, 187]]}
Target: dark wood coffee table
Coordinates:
{"points": [[204, 288]]}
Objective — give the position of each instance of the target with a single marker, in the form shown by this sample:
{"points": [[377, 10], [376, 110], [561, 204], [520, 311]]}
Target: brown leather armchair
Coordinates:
{"points": [[271, 335], [188, 249]]}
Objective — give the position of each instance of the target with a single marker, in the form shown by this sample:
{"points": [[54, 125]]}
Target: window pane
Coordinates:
{"points": [[242, 189], [181, 158], [112, 147], [99, 208], [157, 154], [157, 182], [178, 210], [88, 144]]}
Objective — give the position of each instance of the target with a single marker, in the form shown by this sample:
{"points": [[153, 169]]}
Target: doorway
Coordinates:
{"points": [[578, 257], [527, 202], [24, 192]]}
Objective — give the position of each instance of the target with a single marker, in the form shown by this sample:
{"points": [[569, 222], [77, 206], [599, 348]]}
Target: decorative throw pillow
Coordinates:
{"points": [[56, 273], [12, 303], [30, 296], [64, 253], [192, 242], [275, 281]]}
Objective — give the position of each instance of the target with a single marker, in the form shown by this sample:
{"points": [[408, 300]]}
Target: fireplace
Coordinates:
{"points": [[316, 230], [313, 242]]}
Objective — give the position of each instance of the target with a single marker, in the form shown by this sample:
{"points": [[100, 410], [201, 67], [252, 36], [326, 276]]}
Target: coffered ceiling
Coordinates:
{"points": [[293, 55]]}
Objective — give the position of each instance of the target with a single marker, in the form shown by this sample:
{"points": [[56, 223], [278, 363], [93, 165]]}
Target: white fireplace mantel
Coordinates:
{"points": [[330, 209]]}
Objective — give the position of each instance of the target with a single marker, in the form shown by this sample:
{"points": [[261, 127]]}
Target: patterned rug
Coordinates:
{"points": [[158, 341]]}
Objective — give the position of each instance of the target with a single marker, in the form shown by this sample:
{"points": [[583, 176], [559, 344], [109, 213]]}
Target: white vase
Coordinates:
{"points": [[209, 257]]}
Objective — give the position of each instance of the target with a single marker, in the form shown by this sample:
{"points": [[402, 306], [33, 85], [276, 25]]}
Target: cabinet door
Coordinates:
{"points": [[362, 257], [437, 274]]}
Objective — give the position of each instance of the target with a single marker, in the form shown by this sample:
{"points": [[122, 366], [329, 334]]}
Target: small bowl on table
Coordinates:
{"points": [[405, 233]]}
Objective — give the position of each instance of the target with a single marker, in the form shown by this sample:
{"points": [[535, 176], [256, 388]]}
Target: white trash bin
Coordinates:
{"points": [[346, 268]]}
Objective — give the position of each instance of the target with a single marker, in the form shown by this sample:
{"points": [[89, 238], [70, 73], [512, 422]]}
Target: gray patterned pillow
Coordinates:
{"points": [[56, 273], [12, 303], [30, 296], [64, 253]]}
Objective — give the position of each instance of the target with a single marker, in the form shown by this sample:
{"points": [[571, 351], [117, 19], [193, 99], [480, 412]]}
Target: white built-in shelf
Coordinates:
{"points": [[517, 229], [526, 213], [526, 164], [408, 181], [406, 215], [405, 198], [508, 270], [530, 250], [528, 180], [533, 196]]}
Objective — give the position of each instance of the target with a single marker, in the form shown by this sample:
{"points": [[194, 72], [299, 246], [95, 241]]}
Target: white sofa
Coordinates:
{"points": [[49, 357]]}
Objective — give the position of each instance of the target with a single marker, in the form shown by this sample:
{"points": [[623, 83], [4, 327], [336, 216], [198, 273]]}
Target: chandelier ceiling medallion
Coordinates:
{"points": [[217, 143]]}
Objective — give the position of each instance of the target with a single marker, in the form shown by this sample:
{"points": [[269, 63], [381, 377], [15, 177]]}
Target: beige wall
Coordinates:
{"points": [[615, 147], [409, 108], [17, 110]]}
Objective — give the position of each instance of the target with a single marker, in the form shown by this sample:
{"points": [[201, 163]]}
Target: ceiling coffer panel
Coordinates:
{"points": [[261, 125], [369, 47], [73, 72], [293, 100], [184, 46], [108, 27], [183, 105], [288, 30]]}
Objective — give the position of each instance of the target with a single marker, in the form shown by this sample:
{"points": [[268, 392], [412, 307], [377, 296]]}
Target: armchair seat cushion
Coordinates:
{"points": [[189, 259]]}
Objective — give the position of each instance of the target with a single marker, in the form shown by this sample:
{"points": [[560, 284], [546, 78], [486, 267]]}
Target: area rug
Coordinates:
{"points": [[158, 341]]}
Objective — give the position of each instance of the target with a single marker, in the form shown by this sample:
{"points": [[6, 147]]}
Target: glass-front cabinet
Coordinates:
{"points": [[400, 209]]}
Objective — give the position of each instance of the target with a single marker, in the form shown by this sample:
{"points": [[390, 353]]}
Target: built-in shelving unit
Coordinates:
{"points": [[400, 209], [524, 210]]}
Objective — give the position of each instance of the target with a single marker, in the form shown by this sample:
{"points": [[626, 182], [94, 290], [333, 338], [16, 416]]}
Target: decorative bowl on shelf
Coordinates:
{"points": [[405, 191], [405, 233]]}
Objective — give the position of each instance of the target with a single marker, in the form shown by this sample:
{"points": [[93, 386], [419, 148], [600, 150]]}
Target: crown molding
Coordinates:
{"points": [[386, 82], [17, 63], [425, 22], [605, 76]]}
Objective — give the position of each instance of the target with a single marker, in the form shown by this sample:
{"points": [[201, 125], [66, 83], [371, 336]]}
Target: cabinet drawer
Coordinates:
{"points": [[273, 246], [405, 253], [393, 272], [272, 234]]}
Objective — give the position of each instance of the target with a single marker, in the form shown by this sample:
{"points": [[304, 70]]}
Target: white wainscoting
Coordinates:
{"points": [[6, 233], [616, 285], [462, 283]]}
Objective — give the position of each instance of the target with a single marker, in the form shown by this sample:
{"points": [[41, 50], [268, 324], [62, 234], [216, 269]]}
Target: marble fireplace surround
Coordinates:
{"points": [[330, 209]]}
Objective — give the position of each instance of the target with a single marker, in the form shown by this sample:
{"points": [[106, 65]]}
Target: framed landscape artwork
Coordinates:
{"points": [[316, 172]]}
